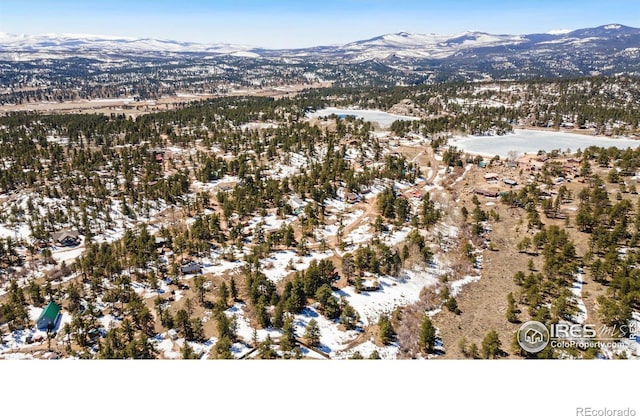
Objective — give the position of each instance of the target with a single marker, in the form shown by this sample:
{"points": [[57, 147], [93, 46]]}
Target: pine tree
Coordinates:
{"points": [[199, 286], [181, 322], [265, 349], [512, 309], [226, 327], [288, 339], [224, 294], [262, 315], [35, 293], [312, 333], [188, 353], [473, 351], [427, 337], [387, 333], [332, 308], [452, 305], [491, 345], [515, 345], [463, 346], [233, 290], [349, 317], [197, 331], [278, 315], [222, 349]]}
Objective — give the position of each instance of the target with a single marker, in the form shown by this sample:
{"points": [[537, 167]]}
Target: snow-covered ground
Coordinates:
{"points": [[244, 330], [383, 118], [281, 263], [18, 232], [360, 235], [581, 316], [395, 236], [366, 348], [332, 338], [67, 254], [171, 349], [530, 141], [456, 286], [394, 291]]}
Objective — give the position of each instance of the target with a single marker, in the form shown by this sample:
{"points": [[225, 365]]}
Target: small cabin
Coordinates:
{"points": [[351, 198], [49, 317], [486, 193], [190, 268], [297, 204]]}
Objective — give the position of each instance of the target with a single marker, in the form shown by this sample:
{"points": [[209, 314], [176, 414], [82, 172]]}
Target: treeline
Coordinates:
{"points": [[604, 104]]}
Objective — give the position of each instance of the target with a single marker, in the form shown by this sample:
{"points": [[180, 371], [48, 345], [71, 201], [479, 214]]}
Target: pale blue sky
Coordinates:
{"points": [[301, 23]]}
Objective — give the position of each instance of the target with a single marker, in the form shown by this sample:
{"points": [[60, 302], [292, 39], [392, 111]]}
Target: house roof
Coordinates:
{"points": [[189, 267], [61, 235], [51, 311]]}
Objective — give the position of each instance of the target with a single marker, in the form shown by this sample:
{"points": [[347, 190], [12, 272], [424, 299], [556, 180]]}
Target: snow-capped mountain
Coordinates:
{"points": [[607, 49], [73, 44], [439, 47], [397, 45], [412, 45]]}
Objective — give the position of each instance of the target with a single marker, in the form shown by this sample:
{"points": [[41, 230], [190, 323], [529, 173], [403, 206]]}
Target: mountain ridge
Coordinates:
{"points": [[390, 59], [402, 44]]}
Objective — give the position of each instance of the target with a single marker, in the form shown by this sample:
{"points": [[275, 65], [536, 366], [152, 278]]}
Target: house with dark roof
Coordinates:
{"points": [[190, 268], [66, 238], [351, 198], [483, 192], [49, 317]]}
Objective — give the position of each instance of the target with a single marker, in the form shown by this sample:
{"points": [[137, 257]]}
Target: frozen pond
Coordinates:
{"points": [[530, 141], [383, 118]]}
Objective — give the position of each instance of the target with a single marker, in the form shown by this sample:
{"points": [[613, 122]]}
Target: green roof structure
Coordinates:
{"points": [[48, 317]]}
